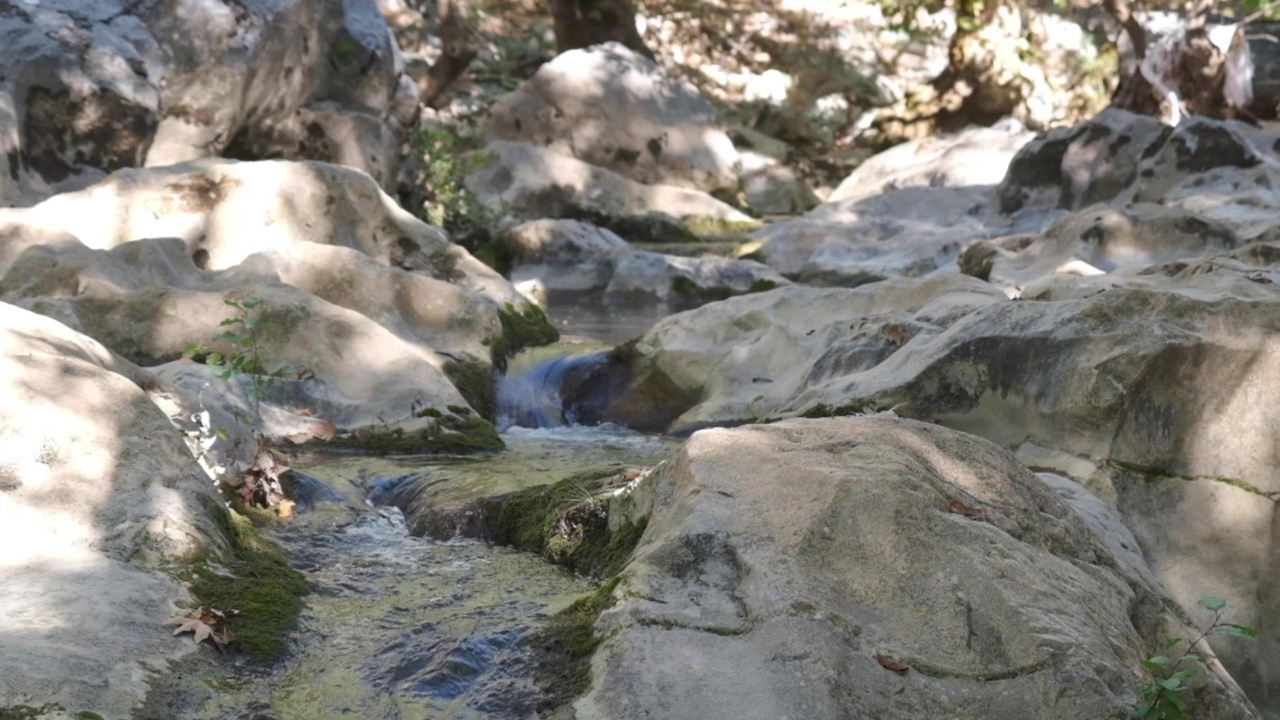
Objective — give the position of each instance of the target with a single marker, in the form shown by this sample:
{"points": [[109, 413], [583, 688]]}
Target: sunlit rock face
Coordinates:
{"points": [[88, 88], [788, 569], [397, 328], [97, 493], [611, 107]]}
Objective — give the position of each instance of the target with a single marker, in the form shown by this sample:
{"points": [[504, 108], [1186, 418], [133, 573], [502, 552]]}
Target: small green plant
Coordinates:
{"points": [[260, 483], [446, 164], [244, 335], [1167, 696]]}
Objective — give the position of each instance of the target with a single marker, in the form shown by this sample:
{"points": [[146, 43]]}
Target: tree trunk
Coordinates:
{"points": [[583, 23], [458, 51]]}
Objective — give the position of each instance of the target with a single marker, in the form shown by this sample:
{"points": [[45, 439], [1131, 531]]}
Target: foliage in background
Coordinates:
{"points": [[446, 160], [1167, 696]]}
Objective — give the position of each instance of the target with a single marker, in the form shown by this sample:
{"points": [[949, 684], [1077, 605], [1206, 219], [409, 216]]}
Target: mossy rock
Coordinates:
{"points": [[255, 581], [521, 329], [689, 290], [564, 648], [450, 434], [476, 384], [567, 523]]}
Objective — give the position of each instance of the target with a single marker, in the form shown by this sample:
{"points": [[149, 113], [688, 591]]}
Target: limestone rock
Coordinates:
{"points": [[771, 188], [690, 279], [1095, 241], [402, 329], [744, 358], [1128, 158], [97, 494], [1154, 389], [563, 254], [88, 88], [907, 232], [532, 182], [781, 560], [976, 156], [611, 107]]}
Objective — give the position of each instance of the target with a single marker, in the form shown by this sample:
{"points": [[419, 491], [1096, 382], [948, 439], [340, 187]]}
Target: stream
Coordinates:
{"points": [[403, 627]]}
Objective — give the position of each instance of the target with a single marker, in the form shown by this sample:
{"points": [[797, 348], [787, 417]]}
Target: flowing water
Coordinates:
{"points": [[402, 627]]}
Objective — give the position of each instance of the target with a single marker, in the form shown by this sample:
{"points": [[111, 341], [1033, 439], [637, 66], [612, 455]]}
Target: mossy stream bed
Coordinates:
{"points": [[397, 626]]}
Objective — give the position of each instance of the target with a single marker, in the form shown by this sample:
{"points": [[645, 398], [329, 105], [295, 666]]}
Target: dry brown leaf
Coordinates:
{"points": [[285, 508], [895, 334], [959, 508], [890, 664], [201, 623]]}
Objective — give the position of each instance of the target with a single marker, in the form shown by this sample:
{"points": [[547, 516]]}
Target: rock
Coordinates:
{"points": [[1126, 158], [907, 232], [1095, 241], [976, 156], [562, 254], [742, 359], [786, 568], [226, 210], [1153, 390], [531, 182], [91, 88], [99, 501], [771, 188], [690, 279], [611, 107], [402, 329]]}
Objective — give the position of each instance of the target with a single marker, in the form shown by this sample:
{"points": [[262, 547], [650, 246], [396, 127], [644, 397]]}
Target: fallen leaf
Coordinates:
{"points": [[199, 622], [285, 508], [890, 664], [959, 508], [895, 334]]}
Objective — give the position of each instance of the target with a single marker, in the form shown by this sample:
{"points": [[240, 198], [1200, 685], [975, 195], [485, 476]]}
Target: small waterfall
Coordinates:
{"points": [[544, 395]]}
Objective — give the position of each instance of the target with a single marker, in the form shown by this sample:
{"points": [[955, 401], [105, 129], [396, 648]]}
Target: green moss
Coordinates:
{"points": [[87, 715], [476, 384], [761, 285], [497, 255], [256, 582], [451, 435], [716, 227], [564, 647], [1155, 473], [520, 329], [823, 410], [429, 412], [27, 712]]}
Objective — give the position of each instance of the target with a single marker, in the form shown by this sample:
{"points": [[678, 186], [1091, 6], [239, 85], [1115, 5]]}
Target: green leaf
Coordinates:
{"points": [[222, 432], [229, 321], [1171, 683], [250, 303], [1212, 603], [252, 321], [226, 374], [230, 301], [1240, 631], [214, 358], [1156, 662], [1172, 641], [228, 336], [1181, 676]]}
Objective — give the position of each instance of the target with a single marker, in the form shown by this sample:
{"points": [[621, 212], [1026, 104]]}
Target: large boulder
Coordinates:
{"points": [[402, 330], [612, 107], [99, 500], [1156, 390], [742, 359], [1096, 241], [976, 156], [1122, 157], [690, 279], [532, 182], [88, 88], [787, 570], [908, 232]]}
